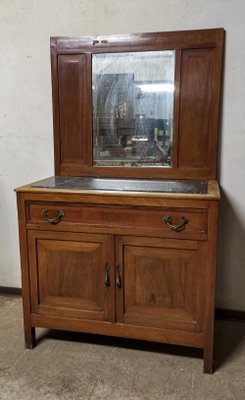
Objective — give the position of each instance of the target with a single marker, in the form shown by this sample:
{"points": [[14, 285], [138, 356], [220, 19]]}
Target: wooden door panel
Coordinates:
{"points": [[66, 281], [163, 285], [74, 109], [68, 274], [196, 108]]}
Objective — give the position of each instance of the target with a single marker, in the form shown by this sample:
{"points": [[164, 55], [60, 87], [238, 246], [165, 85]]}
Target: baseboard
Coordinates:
{"points": [[220, 313], [10, 291], [223, 313]]}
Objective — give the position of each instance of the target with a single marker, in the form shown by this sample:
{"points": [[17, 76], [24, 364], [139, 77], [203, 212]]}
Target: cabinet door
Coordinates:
{"points": [[71, 274], [162, 283]]}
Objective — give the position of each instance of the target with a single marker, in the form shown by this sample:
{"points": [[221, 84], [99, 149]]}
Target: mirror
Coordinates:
{"points": [[133, 96]]}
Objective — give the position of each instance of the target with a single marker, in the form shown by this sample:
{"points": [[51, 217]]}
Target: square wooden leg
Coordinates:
{"points": [[30, 338], [208, 367]]}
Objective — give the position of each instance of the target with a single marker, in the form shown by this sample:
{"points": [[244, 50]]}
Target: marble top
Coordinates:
{"points": [[124, 185]]}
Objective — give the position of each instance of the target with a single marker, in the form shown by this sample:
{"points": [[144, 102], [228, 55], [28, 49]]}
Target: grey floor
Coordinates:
{"points": [[86, 367]]}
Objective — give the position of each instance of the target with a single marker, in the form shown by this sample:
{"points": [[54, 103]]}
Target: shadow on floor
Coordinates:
{"points": [[228, 338], [121, 343]]}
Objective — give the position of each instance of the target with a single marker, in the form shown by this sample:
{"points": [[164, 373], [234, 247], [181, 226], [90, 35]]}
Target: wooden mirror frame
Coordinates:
{"points": [[198, 67]]}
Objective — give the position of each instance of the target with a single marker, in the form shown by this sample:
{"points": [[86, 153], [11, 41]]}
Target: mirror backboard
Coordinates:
{"points": [[138, 106]]}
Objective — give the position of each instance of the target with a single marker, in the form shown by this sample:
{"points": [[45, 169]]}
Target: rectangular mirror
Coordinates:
{"points": [[133, 97]]}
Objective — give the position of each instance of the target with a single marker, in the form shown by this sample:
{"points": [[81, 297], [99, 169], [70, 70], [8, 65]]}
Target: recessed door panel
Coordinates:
{"points": [[74, 108], [162, 283], [69, 272]]}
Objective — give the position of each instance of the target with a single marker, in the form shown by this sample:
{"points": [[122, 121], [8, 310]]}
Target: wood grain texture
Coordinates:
{"points": [[196, 101], [67, 274], [74, 109], [167, 277], [121, 330], [210, 290], [122, 217], [166, 40], [55, 104], [29, 330], [161, 283]]}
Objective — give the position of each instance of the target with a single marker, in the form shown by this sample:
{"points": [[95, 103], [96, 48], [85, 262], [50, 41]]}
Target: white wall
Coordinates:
{"points": [[26, 143]]}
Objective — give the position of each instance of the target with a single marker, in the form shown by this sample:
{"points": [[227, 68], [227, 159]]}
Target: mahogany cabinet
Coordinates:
{"points": [[122, 241]]}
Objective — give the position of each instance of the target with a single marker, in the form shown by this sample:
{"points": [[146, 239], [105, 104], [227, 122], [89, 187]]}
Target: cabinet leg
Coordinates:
{"points": [[208, 367], [30, 338]]}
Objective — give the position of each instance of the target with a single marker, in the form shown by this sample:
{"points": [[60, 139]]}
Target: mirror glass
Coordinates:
{"points": [[133, 96]]}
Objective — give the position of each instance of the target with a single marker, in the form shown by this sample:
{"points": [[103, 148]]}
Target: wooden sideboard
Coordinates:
{"points": [[127, 250]]}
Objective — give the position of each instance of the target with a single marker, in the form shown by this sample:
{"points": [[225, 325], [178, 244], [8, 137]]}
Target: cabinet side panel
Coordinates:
{"points": [[73, 108], [196, 103], [29, 331]]}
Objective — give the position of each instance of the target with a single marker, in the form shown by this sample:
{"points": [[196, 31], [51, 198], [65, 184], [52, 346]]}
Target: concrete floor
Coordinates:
{"points": [[87, 367]]}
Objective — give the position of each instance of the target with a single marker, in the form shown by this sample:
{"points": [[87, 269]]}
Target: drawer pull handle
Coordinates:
{"points": [[178, 228], [53, 221], [107, 277], [118, 277]]}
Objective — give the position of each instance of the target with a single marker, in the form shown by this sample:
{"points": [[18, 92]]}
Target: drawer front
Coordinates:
{"points": [[178, 221]]}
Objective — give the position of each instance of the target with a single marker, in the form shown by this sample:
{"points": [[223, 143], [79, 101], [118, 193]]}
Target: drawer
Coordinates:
{"points": [[172, 220]]}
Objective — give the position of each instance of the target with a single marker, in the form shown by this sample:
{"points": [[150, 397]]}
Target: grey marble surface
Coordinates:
{"points": [[125, 185]]}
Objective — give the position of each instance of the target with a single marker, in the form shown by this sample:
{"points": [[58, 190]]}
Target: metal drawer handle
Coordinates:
{"points": [[107, 277], [175, 228], [53, 221]]}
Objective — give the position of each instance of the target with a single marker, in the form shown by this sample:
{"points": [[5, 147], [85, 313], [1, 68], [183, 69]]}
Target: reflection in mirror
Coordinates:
{"points": [[133, 108]]}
